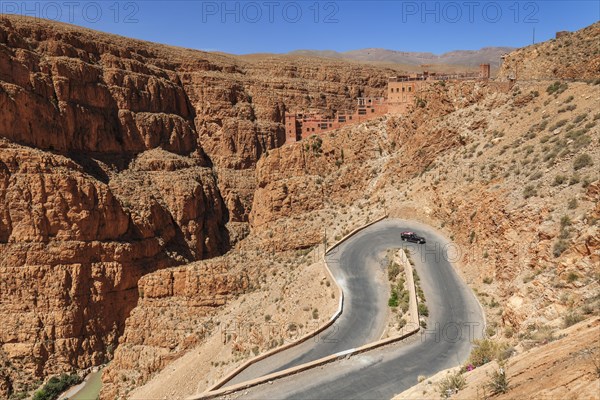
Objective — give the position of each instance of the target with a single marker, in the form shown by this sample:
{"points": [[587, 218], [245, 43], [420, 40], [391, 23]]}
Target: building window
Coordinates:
{"points": [[403, 88], [372, 110], [330, 125], [307, 129], [410, 88], [350, 117], [362, 111], [313, 129]]}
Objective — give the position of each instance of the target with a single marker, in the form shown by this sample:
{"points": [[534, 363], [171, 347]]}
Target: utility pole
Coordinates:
{"points": [[533, 41]]}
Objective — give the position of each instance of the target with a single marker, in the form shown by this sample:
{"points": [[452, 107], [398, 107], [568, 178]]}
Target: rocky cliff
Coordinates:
{"points": [[507, 172], [574, 56], [118, 158], [129, 169]]}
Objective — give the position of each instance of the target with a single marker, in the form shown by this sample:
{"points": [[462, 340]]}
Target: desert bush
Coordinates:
{"points": [[582, 161], [401, 323], [571, 318], [574, 180], [559, 247], [484, 351], [570, 107], [572, 277], [557, 87], [529, 191], [558, 124], [572, 204], [559, 180], [393, 271], [451, 384], [581, 142], [498, 382], [580, 118]]}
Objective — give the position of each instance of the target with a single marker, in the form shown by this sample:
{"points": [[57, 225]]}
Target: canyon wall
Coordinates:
{"points": [[128, 170], [121, 157]]}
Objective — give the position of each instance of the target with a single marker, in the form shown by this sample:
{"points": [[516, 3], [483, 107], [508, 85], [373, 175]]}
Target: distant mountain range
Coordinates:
{"points": [[485, 55]]}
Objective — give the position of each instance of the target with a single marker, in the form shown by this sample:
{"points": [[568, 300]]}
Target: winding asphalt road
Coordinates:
{"points": [[455, 318]]}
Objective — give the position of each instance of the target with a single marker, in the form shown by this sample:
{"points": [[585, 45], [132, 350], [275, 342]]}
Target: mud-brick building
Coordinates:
{"points": [[402, 94], [299, 126], [403, 91]]}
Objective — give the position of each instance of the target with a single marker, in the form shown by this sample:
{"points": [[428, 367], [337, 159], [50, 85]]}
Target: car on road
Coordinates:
{"points": [[412, 237]]}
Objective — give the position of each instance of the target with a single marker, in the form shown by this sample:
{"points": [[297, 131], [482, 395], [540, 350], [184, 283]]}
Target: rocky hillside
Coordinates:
{"points": [[567, 367], [118, 158], [574, 56], [508, 173], [147, 206]]}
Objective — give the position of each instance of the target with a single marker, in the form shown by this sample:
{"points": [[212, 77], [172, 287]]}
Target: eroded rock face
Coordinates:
{"points": [[119, 158], [68, 263], [171, 319], [572, 56]]}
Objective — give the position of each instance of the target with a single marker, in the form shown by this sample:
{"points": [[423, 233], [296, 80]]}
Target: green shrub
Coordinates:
{"points": [[498, 382], [558, 124], [393, 271], [581, 142], [403, 301], [559, 180], [393, 300], [559, 247], [557, 87], [570, 107], [582, 161], [572, 277], [401, 323], [484, 351], [423, 310], [56, 385], [451, 384]]}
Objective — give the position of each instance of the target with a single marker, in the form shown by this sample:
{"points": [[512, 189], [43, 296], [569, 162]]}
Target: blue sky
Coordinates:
{"points": [[281, 26]]}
